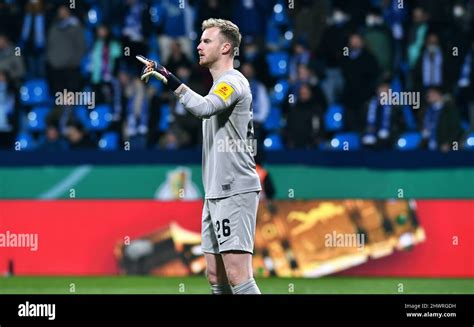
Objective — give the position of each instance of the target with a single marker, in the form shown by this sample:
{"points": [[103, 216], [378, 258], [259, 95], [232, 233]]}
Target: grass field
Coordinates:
{"points": [[198, 285]]}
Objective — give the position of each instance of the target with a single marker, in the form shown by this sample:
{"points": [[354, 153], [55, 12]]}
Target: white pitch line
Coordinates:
{"points": [[65, 184]]}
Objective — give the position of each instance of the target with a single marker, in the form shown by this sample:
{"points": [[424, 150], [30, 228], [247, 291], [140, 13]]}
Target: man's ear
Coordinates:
{"points": [[226, 47]]}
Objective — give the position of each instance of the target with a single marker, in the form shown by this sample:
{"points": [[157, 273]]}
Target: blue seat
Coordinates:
{"points": [[26, 141], [279, 14], [81, 113], [465, 125], [100, 117], [469, 143], [279, 92], [164, 118], [333, 119], [273, 121], [278, 63], [109, 141], [409, 141], [345, 142], [273, 142], [36, 119], [86, 65], [94, 16], [89, 37], [273, 34], [34, 92]]}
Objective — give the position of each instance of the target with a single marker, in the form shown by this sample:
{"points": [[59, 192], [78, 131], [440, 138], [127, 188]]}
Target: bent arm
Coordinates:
{"points": [[204, 107]]}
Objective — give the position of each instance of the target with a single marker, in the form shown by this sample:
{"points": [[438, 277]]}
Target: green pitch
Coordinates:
{"points": [[198, 285]]}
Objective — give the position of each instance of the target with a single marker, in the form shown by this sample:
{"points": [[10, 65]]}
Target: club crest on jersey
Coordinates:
{"points": [[223, 90]]}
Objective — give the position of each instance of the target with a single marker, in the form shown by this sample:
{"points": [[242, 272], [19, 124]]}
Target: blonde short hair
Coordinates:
{"points": [[229, 30]]}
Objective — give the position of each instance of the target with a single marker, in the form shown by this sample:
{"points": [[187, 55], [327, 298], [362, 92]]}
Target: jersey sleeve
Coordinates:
{"points": [[223, 95]]}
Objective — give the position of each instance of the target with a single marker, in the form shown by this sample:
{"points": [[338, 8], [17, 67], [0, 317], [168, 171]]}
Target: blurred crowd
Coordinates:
{"points": [[316, 69]]}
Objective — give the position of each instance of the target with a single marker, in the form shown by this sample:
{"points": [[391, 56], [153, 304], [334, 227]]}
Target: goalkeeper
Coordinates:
{"points": [[229, 175]]}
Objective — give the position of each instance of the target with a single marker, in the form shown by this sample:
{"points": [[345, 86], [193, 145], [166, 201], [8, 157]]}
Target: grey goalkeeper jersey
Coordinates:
{"points": [[228, 165]]}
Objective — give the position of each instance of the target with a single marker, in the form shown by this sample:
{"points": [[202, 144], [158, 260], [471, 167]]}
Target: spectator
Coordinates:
{"points": [[379, 41], [10, 16], [306, 76], [261, 102], [53, 141], [432, 69], [104, 57], [136, 106], [136, 23], [251, 53], [185, 125], [330, 50], [395, 18], [301, 56], [11, 61], [385, 121], [252, 17], [303, 121], [8, 112], [178, 25], [417, 35], [465, 86], [65, 49], [211, 9], [77, 137], [177, 58], [441, 121], [309, 21], [360, 71], [33, 38], [173, 139]]}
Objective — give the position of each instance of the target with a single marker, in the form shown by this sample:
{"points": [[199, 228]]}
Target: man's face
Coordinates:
{"points": [[433, 96], [211, 46], [63, 12], [356, 42]]}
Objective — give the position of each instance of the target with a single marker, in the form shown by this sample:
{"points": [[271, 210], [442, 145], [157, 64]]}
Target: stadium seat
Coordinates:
{"points": [[273, 34], [273, 142], [100, 117], [36, 118], [273, 121], [109, 141], [86, 65], [164, 118], [333, 119], [345, 142], [34, 92], [469, 143], [89, 36], [278, 63], [409, 117], [279, 92], [279, 14], [26, 141], [94, 16], [409, 141], [82, 114]]}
